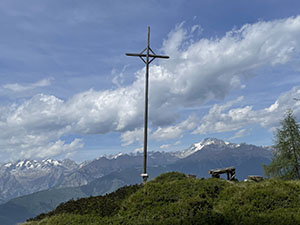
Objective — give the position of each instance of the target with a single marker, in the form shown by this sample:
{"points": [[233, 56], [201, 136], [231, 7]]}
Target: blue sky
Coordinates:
{"points": [[68, 90]]}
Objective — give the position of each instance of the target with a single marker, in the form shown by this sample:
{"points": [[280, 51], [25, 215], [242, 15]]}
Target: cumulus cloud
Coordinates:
{"points": [[197, 72], [223, 118], [129, 137], [53, 149], [34, 129], [210, 68], [175, 131]]}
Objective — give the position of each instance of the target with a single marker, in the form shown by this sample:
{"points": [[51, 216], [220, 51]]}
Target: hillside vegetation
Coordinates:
{"points": [[174, 198]]}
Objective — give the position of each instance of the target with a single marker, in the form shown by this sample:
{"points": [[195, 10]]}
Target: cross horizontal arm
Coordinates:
{"points": [[150, 55]]}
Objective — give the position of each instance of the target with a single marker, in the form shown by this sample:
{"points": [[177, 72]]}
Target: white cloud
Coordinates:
{"points": [[210, 68], [176, 131], [195, 28], [197, 71], [129, 137], [218, 120], [161, 133], [138, 150], [223, 118], [34, 129], [118, 78], [15, 87], [165, 146], [53, 149]]}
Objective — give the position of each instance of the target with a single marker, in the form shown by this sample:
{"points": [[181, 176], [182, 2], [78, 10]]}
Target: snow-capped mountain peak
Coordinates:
{"points": [[215, 141], [206, 142], [111, 156], [118, 155], [22, 165]]}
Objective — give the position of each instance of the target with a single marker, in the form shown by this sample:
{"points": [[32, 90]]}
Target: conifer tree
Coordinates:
{"points": [[286, 160]]}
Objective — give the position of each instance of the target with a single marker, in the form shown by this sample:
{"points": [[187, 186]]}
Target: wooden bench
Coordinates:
{"points": [[230, 171]]}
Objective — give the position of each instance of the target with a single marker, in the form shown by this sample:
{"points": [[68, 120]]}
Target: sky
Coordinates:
{"points": [[67, 89]]}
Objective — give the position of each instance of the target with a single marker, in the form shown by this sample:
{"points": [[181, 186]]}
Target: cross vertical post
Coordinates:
{"points": [[147, 59]]}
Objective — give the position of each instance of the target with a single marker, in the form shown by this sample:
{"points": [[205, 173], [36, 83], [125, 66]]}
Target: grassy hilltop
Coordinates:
{"points": [[173, 198]]}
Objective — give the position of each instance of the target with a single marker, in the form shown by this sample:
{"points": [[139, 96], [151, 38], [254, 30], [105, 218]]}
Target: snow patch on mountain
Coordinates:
{"points": [[8, 165], [52, 162], [111, 156], [116, 156]]}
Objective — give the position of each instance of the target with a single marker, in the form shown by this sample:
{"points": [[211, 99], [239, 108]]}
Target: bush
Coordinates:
{"points": [[268, 202]]}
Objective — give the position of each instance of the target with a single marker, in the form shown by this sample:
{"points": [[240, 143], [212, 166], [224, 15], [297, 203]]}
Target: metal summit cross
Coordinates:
{"points": [[147, 56]]}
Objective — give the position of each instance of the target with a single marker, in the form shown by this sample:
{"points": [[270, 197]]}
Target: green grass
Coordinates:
{"points": [[173, 198]]}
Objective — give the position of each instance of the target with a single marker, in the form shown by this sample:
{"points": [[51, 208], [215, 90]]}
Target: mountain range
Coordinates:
{"points": [[49, 182], [28, 176]]}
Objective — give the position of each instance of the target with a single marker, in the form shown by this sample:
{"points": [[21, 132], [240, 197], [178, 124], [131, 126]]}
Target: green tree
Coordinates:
{"points": [[286, 160]]}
